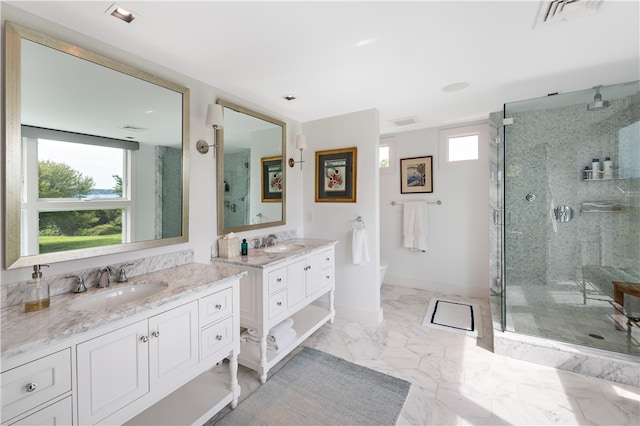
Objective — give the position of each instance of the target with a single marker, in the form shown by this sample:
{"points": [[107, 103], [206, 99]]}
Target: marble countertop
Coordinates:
{"points": [[259, 258], [23, 332]]}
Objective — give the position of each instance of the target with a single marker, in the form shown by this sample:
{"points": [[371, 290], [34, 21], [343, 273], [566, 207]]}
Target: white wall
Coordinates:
{"points": [[357, 292], [457, 258], [202, 169]]}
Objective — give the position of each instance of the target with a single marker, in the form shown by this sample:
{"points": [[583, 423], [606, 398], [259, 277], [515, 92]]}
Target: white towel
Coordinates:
{"points": [[277, 332], [415, 225], [283, 341], [359, 247]]}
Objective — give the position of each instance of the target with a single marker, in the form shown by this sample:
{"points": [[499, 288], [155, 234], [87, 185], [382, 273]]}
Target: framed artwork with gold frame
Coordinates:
{"points": [[336, 172], [271, 179]]}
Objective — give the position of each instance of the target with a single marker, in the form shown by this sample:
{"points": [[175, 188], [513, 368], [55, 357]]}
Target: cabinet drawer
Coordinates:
{"points": [[34, 383], [277, 280], [216, 306], [325, 280], [277, 303], [54, 414], [326, 259], [216, 337]]}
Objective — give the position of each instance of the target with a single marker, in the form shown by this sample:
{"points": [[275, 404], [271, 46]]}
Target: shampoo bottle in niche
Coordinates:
{"points": [[607, 169], [37, 292], [244, 247], [595, 168]]}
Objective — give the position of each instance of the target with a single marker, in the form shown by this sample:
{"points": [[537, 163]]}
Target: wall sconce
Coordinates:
{"points": [[215, 119], [301, 144]]}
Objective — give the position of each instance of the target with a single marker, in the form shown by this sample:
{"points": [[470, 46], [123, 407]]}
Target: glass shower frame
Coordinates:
{"points": [[557, 265]]}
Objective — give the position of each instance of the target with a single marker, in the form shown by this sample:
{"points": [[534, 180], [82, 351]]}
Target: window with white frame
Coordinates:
{"points": [[463, 145], [74, 194], [386, 158]]}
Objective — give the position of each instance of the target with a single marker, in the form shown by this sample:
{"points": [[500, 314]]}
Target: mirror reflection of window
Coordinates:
{"points": [[70, 170], [74, 196]]}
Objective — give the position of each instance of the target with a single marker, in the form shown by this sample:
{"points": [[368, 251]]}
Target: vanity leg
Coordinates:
{"points": [[262, 367], [331, 308], [234, 387]]}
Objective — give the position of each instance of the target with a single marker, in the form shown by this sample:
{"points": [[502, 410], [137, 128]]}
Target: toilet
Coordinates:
{"points": [[383, 270]]}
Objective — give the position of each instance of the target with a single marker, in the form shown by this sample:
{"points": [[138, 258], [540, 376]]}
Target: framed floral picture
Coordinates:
{"points": [[271, 179], [336, 175], [416, 175]]}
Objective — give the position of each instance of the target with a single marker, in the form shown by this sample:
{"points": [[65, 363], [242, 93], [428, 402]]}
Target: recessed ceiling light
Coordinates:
{"points": [[454, 87], [289, 97], [121, 13]]}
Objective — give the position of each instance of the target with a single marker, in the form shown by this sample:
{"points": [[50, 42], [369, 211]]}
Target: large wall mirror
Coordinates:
{"points": [[251, 172], [96, 154]]}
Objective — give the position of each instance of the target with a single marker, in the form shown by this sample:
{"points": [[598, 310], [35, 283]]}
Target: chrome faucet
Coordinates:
{"points": [[105, 277], [122, 275], [271, 240], [80, 287]]}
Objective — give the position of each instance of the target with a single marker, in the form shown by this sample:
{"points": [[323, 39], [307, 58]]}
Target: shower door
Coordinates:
{"points": [[570, 234]]}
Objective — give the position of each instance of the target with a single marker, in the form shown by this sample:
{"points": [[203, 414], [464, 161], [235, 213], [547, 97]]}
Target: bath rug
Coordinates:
{"points": [[453, 315], [315, 388]]}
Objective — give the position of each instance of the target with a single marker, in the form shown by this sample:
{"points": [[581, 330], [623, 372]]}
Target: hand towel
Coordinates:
{"points": [[359, 247], [288, 338], [277, 332], [415, 225]]}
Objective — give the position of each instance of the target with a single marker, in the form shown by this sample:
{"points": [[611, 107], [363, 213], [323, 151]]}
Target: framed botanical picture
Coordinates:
{"points": [[416, 175], [271, 179], [336, 175]]}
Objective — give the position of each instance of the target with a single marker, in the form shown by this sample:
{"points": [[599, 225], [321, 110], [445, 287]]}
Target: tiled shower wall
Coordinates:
{"points": [[236, 195], [546, 152]]}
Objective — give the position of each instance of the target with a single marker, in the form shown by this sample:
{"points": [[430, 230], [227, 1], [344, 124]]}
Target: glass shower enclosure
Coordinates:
{"points": [[568, 217]]}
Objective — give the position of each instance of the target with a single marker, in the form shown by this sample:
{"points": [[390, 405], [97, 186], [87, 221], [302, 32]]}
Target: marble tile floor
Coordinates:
{"points": [[457, 379]]}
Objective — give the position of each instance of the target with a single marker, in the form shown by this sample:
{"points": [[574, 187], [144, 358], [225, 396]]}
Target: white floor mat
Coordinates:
{"points": [[454, 315]]}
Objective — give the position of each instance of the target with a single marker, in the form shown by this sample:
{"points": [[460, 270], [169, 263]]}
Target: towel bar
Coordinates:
{"points": [[395, 203]]}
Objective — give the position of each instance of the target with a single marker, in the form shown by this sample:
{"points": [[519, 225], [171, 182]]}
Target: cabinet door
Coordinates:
{"points": [[54, 415], [113, 371], [173, 342], [296, 282], [313, 277]]}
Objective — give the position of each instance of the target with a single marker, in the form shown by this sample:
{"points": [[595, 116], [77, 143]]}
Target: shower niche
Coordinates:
{"points": [[553, 269]]}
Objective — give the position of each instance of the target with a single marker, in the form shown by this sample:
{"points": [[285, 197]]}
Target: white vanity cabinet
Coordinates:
{"points": [[301, 287], [119, 367], [150, 363]]}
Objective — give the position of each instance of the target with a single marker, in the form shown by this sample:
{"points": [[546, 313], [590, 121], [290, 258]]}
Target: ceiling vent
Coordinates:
{"points": [[555, 11], [405, 121]]}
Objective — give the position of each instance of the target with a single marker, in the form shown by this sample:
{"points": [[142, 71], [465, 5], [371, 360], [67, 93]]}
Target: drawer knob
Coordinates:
{"points": [[219, 337], [218, 306], [144, 339], [31, 387], [328, 276], [156, 334], [279, 280], [279, 303]]}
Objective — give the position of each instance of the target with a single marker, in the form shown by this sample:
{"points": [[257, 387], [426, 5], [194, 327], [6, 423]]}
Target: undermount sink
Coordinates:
{"points": [[284, 248], [118, 295]]}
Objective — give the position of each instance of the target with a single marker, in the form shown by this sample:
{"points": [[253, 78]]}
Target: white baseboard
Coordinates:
{"points": [[443, 288], [351, 314]]}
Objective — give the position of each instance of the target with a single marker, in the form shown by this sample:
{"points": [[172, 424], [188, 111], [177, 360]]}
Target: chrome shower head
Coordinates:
{"points": [[597, 103]]}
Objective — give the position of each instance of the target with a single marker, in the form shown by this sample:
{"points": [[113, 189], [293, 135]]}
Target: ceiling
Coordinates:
{"points": [[341, 57]]}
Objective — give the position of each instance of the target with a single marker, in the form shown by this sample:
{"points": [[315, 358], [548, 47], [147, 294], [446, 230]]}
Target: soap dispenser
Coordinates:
{"points": [[36, 296]]}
